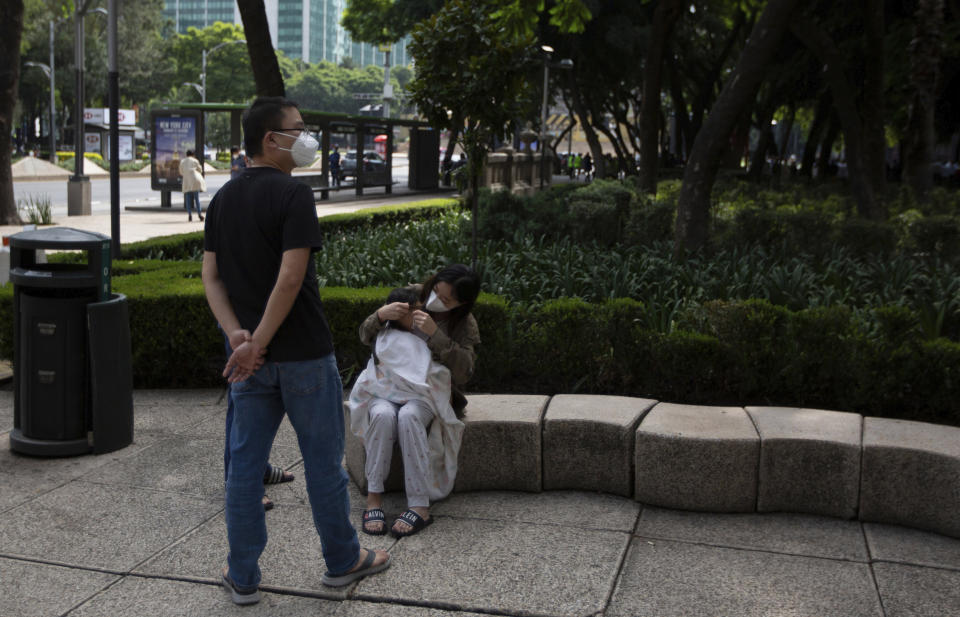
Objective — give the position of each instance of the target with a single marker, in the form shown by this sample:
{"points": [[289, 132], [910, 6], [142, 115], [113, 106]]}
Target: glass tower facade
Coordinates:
{"points": [[198, 13], [305, 29]]}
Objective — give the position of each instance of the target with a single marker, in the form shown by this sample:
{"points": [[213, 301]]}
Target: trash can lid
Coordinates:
{"points": [[58, 237]]}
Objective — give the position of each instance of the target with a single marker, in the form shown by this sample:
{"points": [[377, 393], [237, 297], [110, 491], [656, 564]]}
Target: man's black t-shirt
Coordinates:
{"points": [[251, 221]]}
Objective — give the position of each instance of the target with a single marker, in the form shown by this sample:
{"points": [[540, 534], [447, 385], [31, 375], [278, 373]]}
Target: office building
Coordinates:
{"points": [[305, 29]]}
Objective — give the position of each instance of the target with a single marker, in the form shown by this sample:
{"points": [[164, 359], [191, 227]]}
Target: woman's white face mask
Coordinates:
{"points": [[435, 304]]}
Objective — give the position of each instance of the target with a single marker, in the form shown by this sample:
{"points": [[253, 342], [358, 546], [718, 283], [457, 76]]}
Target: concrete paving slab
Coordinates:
{"points": [[6, 410], [695, 457], [576, 509], [292, 560], [180, 464], [166, 598], [502, 567], [795, 534], [665, 579], [911, 475], [27, 477], [504, 428], [588, 442], [97, 526], [911, 591], [809, 460], [174, 419], [295, 493], [29, 589], [912, 546], [378, 609], [203, 397]]}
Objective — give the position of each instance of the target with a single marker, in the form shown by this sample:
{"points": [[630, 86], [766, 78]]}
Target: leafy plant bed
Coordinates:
{"points": [[875, 333]]}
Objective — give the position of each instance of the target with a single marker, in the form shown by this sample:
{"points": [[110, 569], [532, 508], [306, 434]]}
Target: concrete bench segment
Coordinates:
{"points": [[692, 457], [502, 443], [911, 475], [809, 460], [588, 442]]}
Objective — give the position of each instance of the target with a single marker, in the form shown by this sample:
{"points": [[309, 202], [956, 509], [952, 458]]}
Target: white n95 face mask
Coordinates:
{"points": [[435, 304], [304, 149]]}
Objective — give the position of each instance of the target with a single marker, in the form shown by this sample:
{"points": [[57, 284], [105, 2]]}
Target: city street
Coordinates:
{"points": [[135, 189]]}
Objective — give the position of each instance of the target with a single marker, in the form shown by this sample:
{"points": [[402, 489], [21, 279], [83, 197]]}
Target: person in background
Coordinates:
{"points": [[335, 166], [193, 184], [238, 162]]}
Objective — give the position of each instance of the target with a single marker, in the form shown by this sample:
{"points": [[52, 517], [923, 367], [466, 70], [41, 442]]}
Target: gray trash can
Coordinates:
{"points": [[73, 385]]}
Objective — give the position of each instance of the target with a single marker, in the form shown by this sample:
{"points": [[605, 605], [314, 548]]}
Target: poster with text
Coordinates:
{"points": [[174, 132], [125, 146]]}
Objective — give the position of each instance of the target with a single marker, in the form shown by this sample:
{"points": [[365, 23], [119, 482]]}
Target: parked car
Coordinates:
{"points": [[372, 163]]}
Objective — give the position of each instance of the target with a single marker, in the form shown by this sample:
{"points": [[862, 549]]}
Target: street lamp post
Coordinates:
{"points": [[78, 187], [566, 63], [48, 71], [387, 86], [203, 66]]}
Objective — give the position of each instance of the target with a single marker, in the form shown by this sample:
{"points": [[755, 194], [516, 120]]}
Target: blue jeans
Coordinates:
{"points": [[311, 393], [192, 197]]}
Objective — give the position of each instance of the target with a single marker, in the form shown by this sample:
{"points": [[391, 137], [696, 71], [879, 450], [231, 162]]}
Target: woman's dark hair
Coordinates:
{"points": [[466, 288], [189, 152], [265, 114], [402, 294]]}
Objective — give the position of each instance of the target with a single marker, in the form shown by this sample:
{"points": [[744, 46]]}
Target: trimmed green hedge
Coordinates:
{"points": [[731, 352]]}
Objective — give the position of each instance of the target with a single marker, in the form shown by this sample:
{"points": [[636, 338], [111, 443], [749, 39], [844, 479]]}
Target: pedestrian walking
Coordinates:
{"points": [[193, 184]]}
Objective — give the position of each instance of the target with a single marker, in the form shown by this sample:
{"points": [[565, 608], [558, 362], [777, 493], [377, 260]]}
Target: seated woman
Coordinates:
{"points": [[383, 413]]}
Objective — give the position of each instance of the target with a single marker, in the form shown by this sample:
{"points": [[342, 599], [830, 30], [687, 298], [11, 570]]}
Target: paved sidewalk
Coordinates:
{"points": [[142, 224], [141, 532]]}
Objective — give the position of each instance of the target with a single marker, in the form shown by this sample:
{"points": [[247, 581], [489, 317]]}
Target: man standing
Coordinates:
{"points": [[335, 166], [238, 162], [261, 283]]}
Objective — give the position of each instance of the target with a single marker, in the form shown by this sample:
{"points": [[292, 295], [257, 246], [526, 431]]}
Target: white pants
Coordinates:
{"points": [[408, 423]]}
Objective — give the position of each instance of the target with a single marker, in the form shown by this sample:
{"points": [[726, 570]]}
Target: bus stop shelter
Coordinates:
{"points": [[176, 128]]}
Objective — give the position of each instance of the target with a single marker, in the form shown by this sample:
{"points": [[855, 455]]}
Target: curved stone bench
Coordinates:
{"points": [[708, 458]]}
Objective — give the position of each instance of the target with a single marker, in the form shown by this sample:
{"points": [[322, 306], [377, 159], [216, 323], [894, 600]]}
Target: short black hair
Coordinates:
{"points": [[265, 114], [189, 152], [402, 294], [234, 149]]}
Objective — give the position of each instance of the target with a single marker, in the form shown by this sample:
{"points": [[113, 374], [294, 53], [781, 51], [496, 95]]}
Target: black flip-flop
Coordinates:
{"points": [[276, 475], [374, 515], [366, 568], [416, 522]]}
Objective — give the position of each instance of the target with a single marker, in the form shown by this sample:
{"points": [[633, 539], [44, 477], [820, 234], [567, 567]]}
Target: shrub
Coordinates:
{"points": [[938, 235], [747, 352], [865, 237], [35, 209], [649, 221]]}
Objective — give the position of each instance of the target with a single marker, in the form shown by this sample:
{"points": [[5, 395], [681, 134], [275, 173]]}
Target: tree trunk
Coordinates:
{"points": [[680, 109], [599, 164], [874, 135], [925, 51], [11, 18], [826, 148], [263, 58], [448, 154], [844, 98], [758, 160], [664, 16], [693, 207], [820, 117]]}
